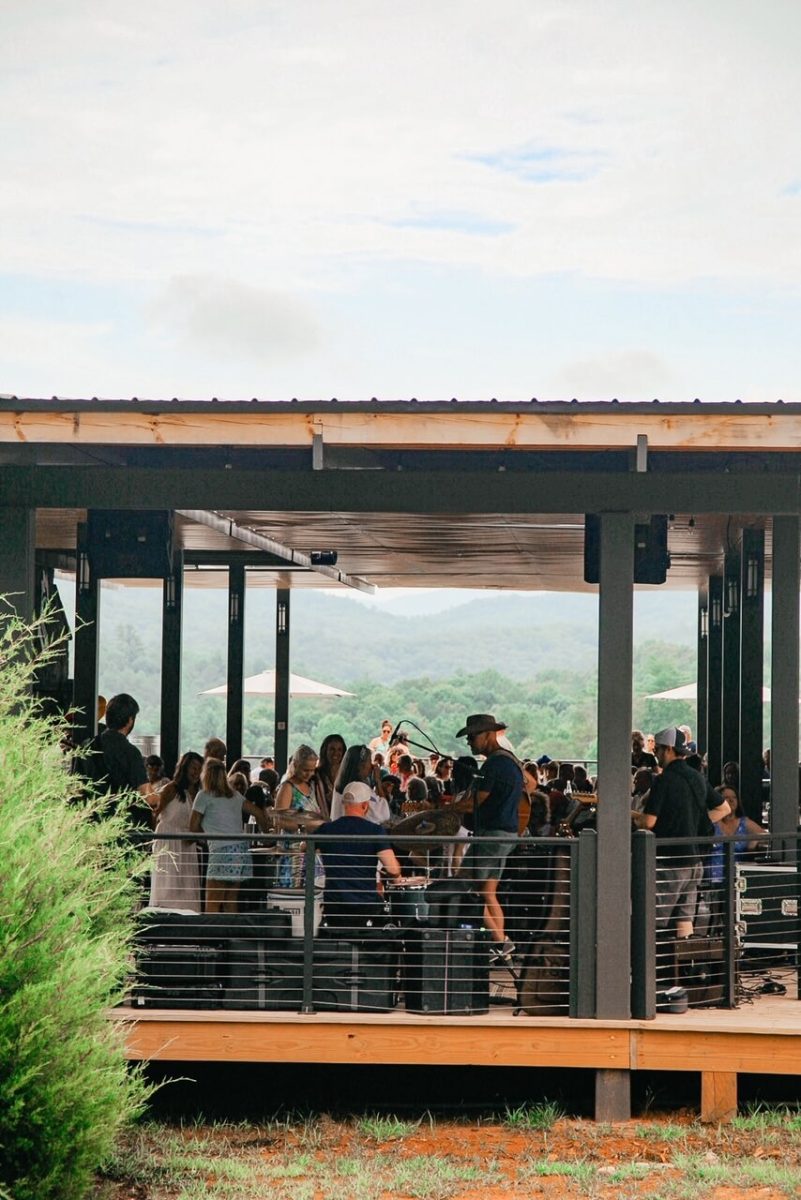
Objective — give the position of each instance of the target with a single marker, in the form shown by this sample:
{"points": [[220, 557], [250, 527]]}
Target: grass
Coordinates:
{"points": [[385, 1128], [532, 1116], [581, 1171], [759, 1118]]}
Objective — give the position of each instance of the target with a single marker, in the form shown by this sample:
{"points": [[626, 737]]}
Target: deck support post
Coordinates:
{"points": [[615, 618], [714, 680], [752, 639], [234, 707], [281, 750], [612, 1095], [172, 603], [718, 1096], [87, 644], [784, 680]]}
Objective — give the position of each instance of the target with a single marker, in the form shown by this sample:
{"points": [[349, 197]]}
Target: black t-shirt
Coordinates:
{"points": [[680, 799], [350, 861], [643, 758], [126, 769]]}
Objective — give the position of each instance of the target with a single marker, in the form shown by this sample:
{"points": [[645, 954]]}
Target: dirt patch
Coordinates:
{"points": [[321, 1158]]}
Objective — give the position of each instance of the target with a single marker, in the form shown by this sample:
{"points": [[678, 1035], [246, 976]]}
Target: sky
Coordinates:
{"points": [[279, 198]]}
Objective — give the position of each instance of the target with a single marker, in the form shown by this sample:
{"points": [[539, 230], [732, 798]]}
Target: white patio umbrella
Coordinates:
{"points": [[689, 691], [263, 684]]}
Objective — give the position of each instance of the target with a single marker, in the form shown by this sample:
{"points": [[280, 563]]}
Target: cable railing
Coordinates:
{"points": [[307, 923]]}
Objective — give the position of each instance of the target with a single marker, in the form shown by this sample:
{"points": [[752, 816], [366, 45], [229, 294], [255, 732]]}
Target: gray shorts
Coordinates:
{"points": [[486, 859], [676, 892]]}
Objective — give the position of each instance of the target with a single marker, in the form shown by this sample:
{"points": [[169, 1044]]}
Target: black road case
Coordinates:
{"points": [[446, 970]]}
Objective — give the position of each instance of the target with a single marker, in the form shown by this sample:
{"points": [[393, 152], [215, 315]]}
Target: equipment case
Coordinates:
{"points": [[767, 906], [446, 970]]}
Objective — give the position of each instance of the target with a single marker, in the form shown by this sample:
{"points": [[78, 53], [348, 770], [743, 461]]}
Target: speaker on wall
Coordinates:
{"points": [[130, 545], [650, 549]]}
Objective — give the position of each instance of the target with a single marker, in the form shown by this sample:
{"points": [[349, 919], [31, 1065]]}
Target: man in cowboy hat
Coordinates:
{"points": [[495, 801]]}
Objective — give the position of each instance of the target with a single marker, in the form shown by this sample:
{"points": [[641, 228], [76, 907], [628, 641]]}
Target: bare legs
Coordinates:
{"points": [[221, 896]]}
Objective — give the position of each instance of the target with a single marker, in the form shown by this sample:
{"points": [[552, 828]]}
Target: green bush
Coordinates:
{"points": [[66, 903]]}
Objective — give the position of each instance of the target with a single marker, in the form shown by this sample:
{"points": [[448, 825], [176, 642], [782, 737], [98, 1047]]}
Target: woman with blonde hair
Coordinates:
{"points": [[218, 809], [297, 810]]}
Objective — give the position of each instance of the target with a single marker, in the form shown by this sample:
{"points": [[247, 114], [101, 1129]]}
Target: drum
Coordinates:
{"points": [[406, 899]]}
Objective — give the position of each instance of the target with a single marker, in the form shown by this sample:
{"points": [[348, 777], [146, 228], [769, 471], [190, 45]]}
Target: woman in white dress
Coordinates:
{"points": [[175, 873]]}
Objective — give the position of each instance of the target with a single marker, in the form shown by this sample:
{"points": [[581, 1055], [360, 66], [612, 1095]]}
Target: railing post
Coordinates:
{"points": [[583, 940], [307, 1005], [729, 929], [643, 925]]}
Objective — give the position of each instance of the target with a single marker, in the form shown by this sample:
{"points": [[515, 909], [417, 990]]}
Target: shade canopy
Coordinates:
{"points": [[263, 684], [689, 691]]}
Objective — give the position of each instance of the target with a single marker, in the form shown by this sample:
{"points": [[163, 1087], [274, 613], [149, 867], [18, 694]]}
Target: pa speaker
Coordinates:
{"points": [[130, 545], [650, 549]]}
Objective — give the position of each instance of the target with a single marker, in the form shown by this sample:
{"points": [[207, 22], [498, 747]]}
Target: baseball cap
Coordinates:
{"points": [[672, 737]]}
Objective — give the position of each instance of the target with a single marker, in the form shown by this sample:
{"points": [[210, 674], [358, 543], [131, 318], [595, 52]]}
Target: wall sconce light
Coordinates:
{"points": [[752, 578], [233, 608], [717, 612], [281, 621], [84, 572], [704, 622], [170, 594], [732, 597]]}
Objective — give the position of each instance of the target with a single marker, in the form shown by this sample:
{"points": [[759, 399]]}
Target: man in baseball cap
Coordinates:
{"points": [[494, 800], [680, 804]]}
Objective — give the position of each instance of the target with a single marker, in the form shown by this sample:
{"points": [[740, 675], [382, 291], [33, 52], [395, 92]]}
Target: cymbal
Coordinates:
{"points": [[432, 824]]}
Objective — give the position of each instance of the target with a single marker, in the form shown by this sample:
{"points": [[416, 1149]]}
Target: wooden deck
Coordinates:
{"points": [[759, 1038]]}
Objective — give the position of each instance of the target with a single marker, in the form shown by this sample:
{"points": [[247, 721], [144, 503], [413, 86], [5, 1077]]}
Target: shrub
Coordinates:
{"points": [[66, 904]]}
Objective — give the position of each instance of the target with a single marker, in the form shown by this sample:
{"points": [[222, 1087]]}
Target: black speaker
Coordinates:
{"points": [[130, 545], [651, 556]]}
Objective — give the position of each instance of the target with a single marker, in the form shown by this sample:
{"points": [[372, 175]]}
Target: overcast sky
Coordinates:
{"points": [[435, 198]]}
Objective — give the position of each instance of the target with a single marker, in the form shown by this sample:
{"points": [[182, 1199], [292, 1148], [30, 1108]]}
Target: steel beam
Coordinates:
{"points": [[702, 693], [730, 745], [172, 604], [615, 619], [714, 711], [752, 641], [442, 491], [18, 561], [87, 644], [786, 583], [281, 750], [234, 699]]}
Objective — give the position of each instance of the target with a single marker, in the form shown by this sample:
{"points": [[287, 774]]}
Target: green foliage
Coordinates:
{"points": [[533, 1116], [66, 898]]}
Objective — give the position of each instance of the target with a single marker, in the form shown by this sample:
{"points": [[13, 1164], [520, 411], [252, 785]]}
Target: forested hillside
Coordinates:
{"points": [[531, 659]]}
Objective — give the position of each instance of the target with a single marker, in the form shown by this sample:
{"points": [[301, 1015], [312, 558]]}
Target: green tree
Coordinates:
{"points": [[66, 903]]}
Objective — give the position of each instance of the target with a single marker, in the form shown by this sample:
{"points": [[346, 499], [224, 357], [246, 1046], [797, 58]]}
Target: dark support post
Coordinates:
{"points": [[87, 644], [234, 709], [615, 618], [172, 604], [18, 560], [281, 750], [714, 710], [643, 925], [730, 747], [784, 678], [702, 671], [752, 642]]}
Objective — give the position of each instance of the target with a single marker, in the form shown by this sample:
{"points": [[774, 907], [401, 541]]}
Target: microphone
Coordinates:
{"points": [[393, 737]]}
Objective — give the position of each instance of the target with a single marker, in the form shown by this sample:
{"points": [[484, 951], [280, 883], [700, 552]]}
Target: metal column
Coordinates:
{"points": [[784, 676], [702, 670], [752, 642], [18, 560], [615, 619], [281, 749], [730, 745], [714, 679], [87, 643], [171, 622], [234, 710]]}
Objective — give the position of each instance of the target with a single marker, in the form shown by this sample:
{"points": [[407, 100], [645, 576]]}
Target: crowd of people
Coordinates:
{"points": [[355, 796]]}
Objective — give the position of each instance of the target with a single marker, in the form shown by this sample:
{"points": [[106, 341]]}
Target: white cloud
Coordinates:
{"points": [[227, 319], [280, 140], [625, 375]]}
